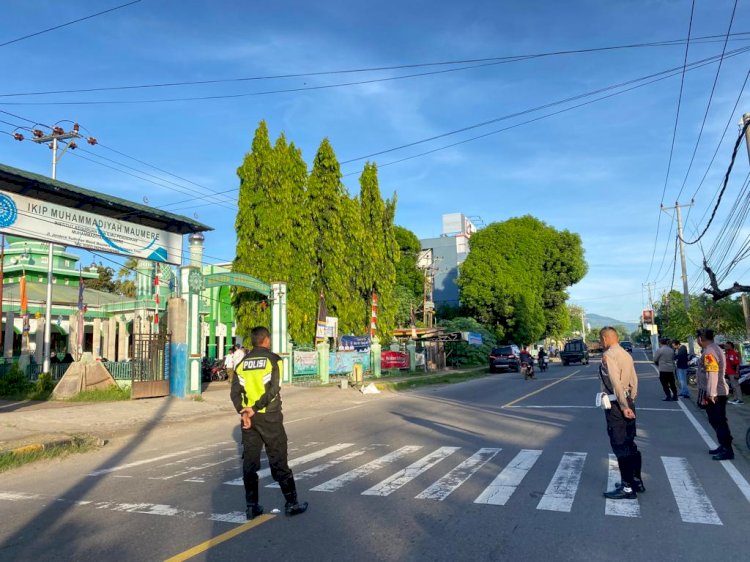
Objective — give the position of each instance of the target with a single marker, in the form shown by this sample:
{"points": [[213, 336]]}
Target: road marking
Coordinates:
{"points": [[153, 459], [505, 483], [204, 546], [451, 481], [17, 496], [591, 407], [315, 470], [562, 489], [622, 508], [734, 474], [190, 469], [692, 501], [403, 477], [530, 394], [266, 472], [365, 469]]}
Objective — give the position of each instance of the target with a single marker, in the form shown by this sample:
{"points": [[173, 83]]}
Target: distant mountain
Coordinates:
{"points": [[598, 321]]}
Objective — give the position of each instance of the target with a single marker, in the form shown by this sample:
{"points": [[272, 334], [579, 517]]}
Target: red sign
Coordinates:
{"points": [[394, 360], [648, 316]]}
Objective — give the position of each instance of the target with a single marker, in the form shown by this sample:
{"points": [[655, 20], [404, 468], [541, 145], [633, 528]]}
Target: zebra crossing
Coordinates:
{"points": [[563, 489]]}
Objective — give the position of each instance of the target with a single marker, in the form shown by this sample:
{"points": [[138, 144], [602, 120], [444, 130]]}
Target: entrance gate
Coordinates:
{"points": [[150, 365]]}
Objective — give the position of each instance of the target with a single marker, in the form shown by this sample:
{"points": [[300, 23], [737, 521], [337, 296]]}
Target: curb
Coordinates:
{"points": [[61, 443]]}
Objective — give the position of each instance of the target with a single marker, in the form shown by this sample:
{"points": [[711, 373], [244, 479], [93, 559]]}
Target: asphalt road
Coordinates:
{"points": [[493, 469]]}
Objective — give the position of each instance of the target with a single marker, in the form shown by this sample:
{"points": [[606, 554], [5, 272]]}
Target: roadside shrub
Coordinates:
{"points": [[14, 383]]}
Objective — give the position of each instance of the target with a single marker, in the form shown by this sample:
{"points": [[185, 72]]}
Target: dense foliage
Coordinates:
{"points": [[461, 354], [516, 275], [725, 317], [305, 229]]}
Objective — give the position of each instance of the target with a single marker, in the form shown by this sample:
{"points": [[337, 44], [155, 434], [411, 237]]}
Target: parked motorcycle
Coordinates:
{"points": [[213, 371]]}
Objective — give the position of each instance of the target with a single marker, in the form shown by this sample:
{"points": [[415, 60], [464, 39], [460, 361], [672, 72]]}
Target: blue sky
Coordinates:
{"points": [[598, 170]]}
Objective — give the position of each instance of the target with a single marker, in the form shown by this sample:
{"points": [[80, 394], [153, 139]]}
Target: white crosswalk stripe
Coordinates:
{"points": [[266, 472], [340, 481], [562, 489], [503, 486], [692, 501], [403, 477], [315, 470], [622, 508], [448, 483]]}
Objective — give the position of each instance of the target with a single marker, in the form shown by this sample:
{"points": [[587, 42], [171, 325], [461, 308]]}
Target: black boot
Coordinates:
{"points": [[292, 507], [253, 510], [716, 450], [726, 454], [626, 489]]}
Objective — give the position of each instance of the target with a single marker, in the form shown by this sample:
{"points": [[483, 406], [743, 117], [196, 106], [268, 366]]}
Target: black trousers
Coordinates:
{"points": [[268, 430], [717, 417], [666, 378], [622, 434]]}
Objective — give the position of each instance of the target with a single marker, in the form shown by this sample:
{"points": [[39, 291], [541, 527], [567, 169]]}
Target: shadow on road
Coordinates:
{"points": [[51, 522]]}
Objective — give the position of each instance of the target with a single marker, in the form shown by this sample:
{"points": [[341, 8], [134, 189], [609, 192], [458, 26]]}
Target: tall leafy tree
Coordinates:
{"points": [[256, 229], [379, 250], [408, 275], [327, 200], [515, 277]]}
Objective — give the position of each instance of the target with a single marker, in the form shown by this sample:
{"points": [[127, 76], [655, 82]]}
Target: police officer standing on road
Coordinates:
{"points": [[713, 392], [620, 382], [256, 396]]}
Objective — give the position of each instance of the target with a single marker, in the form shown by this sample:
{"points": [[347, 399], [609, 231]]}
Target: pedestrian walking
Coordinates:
{"points": [[256, 396], [229, 364], [664, 360], [713, 392], [620, 384], [681, 360], [733, 372]]}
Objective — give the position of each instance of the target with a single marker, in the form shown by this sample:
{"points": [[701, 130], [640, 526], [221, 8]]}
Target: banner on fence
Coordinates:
{"points": [[305, 363], [394, 360], [342, 362], [356, 343]]}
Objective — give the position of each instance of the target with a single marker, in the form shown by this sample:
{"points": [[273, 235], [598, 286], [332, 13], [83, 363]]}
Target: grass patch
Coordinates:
{"points": [[111, 394], [10, 460], [425, 380]]}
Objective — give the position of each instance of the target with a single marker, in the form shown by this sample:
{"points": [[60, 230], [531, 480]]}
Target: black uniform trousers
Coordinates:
{"points": [[622, 433], [666, 378], [717, 417], [268, 430]]}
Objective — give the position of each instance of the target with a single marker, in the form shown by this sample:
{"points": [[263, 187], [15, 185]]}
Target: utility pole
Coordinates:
{"points": [[685, 290], [58, 134], [654, 330]]}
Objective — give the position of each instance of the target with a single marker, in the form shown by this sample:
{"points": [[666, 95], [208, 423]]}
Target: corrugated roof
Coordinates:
{"points": [[61, 193]]}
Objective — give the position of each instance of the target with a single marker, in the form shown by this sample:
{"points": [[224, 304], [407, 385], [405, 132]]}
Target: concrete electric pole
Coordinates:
{"points": [[685, 290]]}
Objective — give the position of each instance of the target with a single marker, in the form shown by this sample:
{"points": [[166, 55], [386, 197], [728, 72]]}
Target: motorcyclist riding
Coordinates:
{"points": [[528, 360], [542, 358]]}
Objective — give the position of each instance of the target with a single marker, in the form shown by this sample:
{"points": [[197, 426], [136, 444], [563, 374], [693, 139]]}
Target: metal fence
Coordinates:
{"points": [[33, 370]]}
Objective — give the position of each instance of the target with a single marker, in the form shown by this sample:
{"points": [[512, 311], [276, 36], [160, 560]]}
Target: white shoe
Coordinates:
{"points": [[736, 401]]}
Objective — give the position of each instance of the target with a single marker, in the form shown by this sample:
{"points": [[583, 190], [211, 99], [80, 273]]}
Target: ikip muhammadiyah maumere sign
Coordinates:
{"points": [[32, 218]]}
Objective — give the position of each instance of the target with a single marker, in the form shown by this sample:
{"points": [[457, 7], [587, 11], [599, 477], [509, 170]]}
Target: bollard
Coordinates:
{"points": [[375, 352], [323, 349]]}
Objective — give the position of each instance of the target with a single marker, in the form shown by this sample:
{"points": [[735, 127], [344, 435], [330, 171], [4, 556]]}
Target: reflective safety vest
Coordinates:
{"points": [[253, 374]]}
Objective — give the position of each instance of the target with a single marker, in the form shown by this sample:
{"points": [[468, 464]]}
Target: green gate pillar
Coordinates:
{"points": [[279, 338], [411, 349], [375, 351], [191, 283], [323, 349]]}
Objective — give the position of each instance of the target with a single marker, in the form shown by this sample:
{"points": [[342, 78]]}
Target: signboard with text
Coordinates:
{"points": [[49, 222]]}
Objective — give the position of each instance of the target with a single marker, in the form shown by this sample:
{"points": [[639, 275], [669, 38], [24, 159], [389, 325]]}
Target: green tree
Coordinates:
{"points": [[725, 317], [327, 200], [461, 354], [515, 277], [379, 251], [408, 275]]}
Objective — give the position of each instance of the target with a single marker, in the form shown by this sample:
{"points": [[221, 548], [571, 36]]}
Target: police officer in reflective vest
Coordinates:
{"points": [[255, 395]]}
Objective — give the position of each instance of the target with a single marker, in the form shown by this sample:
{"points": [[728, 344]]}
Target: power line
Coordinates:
{"points": [[708, 105], [501, 59], [674, 136], [540, 107], [726, 181], [670, 73], [68, 23]]}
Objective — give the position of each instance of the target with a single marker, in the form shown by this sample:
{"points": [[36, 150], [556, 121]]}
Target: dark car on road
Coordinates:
{"points": [[575, 351], [627, 346], [505, 357]]}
